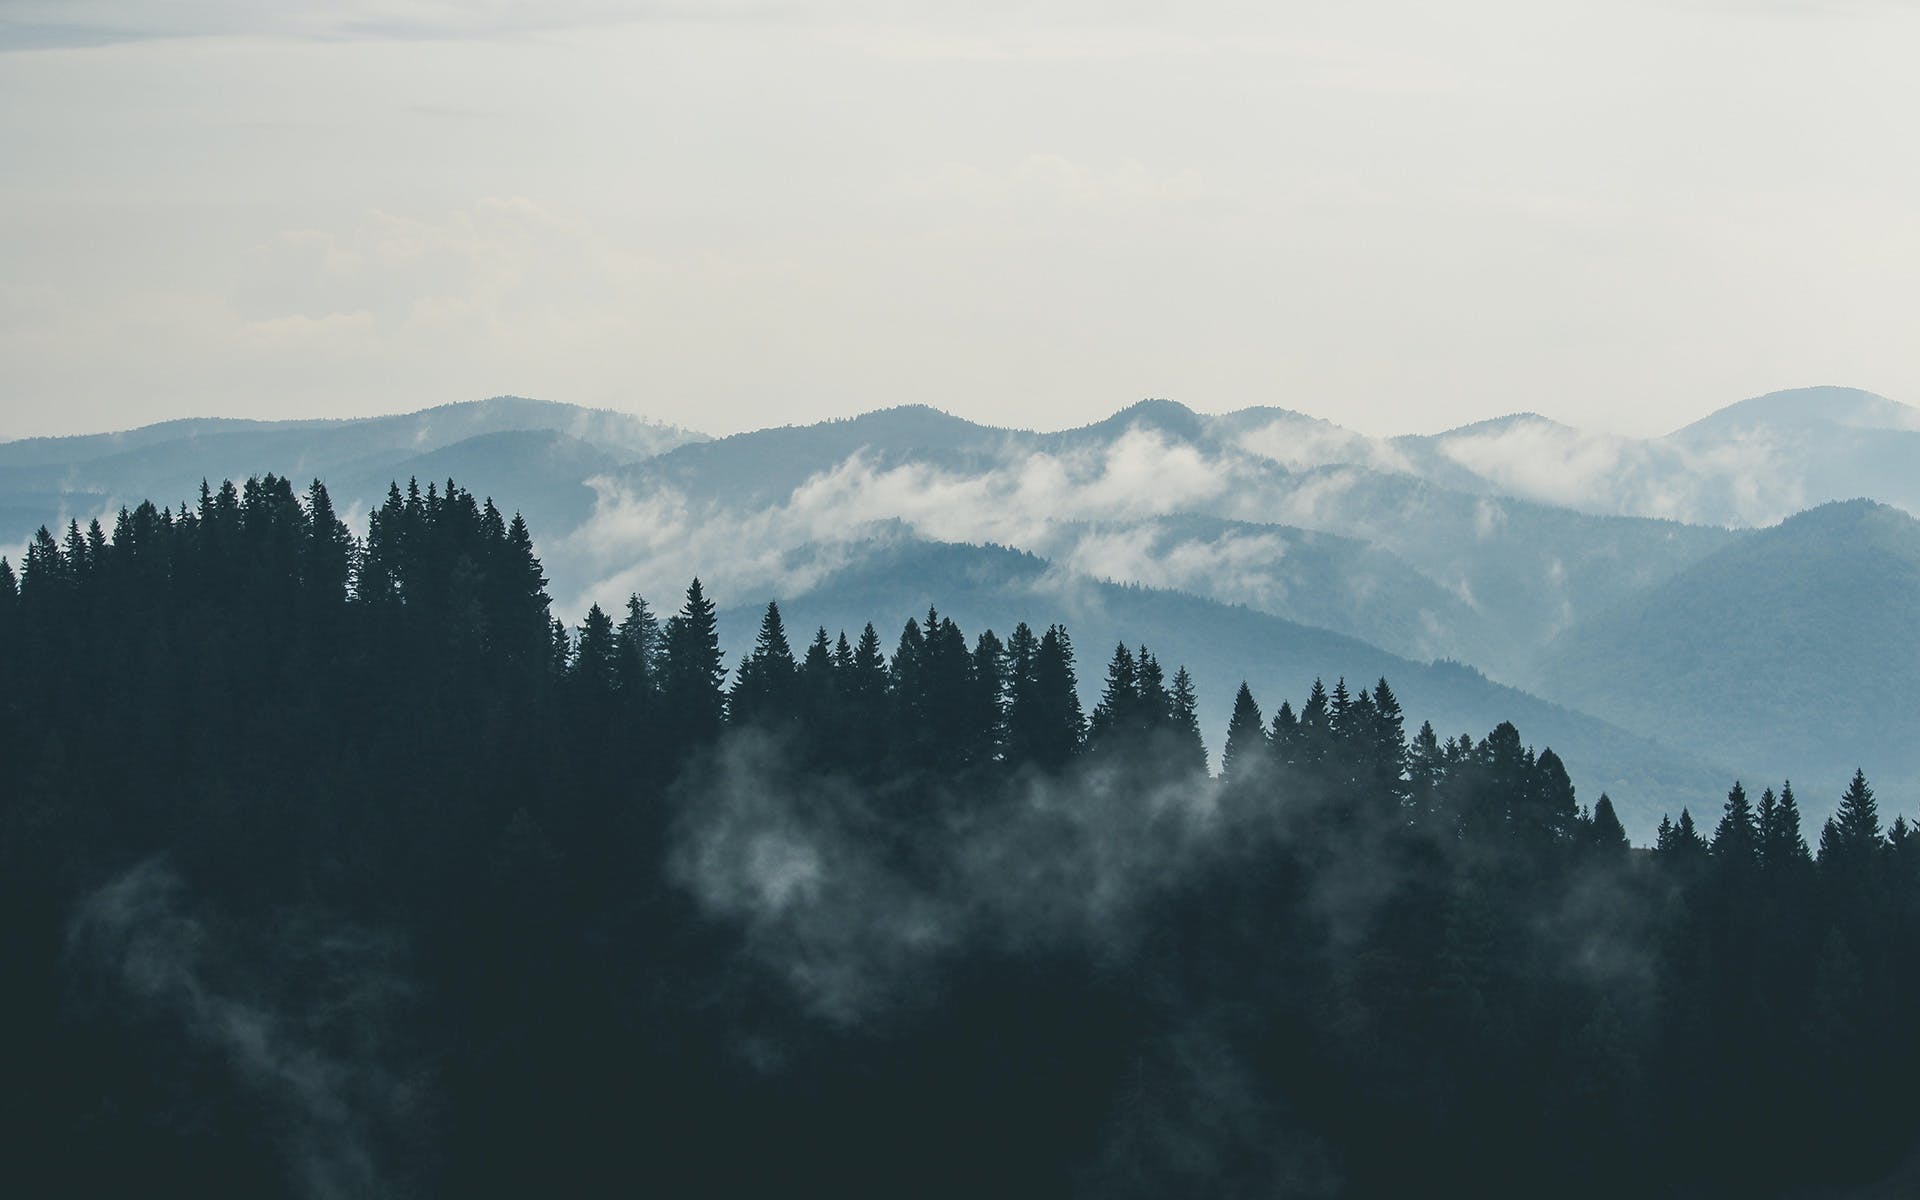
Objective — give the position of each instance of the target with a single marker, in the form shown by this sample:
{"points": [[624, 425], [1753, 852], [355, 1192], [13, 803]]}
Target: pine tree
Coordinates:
{"points": [[986, 723], [1782, 848], [1387, 746], [865, 689], [1852, 834], [596, 659], [765, 687], [1605, 832], [1544, 808], [518, 601], [692, 672], [1687, 841], [1283, 738], [1156, 703], [1316, 728], [638, 639], [1426, 773], [1736, 840], [1118, 712], [1190, 754], [1053, 724], [328, 560], [1246, 742]]}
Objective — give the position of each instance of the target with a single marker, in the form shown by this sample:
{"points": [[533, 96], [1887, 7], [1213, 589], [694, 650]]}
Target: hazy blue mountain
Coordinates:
{"points": [[1749, 464], [993, 587], [1793, 652], [49, 479], [1447, 573], [539, 473], [1343, 584]]}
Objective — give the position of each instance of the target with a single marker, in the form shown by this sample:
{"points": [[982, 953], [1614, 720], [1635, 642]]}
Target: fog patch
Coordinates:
{"points": [[856, 924], [314, 1044]]}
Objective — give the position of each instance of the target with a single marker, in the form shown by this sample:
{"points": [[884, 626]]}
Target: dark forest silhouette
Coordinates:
{"points": [[338, 866]]}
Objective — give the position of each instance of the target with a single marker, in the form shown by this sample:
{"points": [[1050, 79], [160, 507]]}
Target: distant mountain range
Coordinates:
{"points": [[1668, 630]]}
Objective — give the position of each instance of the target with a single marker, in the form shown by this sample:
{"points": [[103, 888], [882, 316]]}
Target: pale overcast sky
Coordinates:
{"points": [[1400, 215]]}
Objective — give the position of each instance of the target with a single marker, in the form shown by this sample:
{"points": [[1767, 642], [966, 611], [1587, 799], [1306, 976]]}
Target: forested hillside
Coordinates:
{"points": [[1796, 649], [334, 865]]}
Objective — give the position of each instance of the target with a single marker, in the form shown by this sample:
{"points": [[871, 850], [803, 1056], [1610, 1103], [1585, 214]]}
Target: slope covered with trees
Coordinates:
{"points": [[1796, 649], [336, 866]]}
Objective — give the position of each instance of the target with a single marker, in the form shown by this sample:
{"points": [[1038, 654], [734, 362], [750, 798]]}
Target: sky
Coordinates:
{"points": [[726, 214]]}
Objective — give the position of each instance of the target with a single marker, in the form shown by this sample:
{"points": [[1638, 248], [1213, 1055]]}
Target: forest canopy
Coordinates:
{"points": [[335, 864]]}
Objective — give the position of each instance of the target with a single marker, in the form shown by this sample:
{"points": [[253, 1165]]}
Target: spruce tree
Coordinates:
{"points": [[1545, 807], [1782, 847], [693, 671], [986, 721], [765, 687], [1118, 711], [1316, 728], [1156, 703], [596, 660], [1055, 724], [1283, 738], [638, 639], [1852, 834], [328, 559], [1736, 840], [1246, 742], [1426, 773], [1605, 832], [1687, 840], [1190, 753]]}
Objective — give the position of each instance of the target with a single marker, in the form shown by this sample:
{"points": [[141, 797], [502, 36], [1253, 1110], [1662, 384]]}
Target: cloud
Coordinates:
{"points": [[644, 535], [793, 859]]}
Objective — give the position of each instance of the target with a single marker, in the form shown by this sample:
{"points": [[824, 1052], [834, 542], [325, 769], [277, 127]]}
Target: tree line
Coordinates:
{"points": [[1401, 958]]}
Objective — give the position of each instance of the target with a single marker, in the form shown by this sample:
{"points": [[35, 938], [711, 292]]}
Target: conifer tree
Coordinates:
{"points": [[765, 687], [1119, 708], [1050, 725], [1605, 832], [1156, 703], [866, 697], [986, 723], [1736, 840], [1387, 744], [1782, 847], [1545, 807], [693, 671], [1315, 742], [638, 640], [1190, 754], [328, 560], [1246, 742], [1023, 649], [1426, 773], [596, 659], [1852, 834], [1687, 840], [1283, 738]]}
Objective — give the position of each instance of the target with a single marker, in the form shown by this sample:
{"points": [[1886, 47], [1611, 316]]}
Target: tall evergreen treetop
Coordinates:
{"points": [[1608, 835], [693, 669], [1736, 840], [1782, 846], [764, 688], [1853, 833], [1184, 720], [1246, 742]]}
